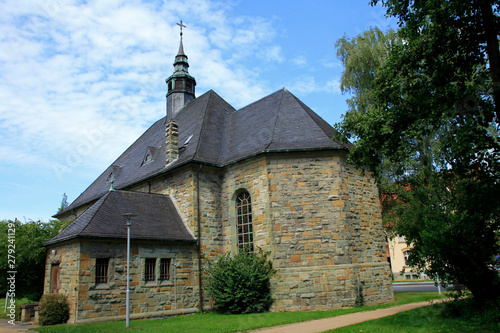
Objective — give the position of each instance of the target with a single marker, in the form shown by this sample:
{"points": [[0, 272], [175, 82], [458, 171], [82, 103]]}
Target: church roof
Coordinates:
{"points": [[212, 132], [156, 218]]}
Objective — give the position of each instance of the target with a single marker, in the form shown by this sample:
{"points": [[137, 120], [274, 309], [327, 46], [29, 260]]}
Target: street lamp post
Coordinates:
{"points": [[128, 216]]}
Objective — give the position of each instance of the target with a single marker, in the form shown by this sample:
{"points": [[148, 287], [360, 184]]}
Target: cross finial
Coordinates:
{"points": [[181, 26]]}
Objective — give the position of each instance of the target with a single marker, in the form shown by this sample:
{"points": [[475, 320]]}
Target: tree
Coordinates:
{"points": [[362, 56], [430, 135], [460, 33], [64, 203], [27, 255]]}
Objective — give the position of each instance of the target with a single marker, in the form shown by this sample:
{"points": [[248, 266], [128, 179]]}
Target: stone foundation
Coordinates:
{"points": [[329, 287]]}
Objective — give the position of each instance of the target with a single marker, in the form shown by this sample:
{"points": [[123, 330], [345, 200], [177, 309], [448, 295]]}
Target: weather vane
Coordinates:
{"points": [[181, 26]]}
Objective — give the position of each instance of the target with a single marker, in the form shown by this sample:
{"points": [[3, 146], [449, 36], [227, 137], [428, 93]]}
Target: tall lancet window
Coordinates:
{"points": [[245, 223]]}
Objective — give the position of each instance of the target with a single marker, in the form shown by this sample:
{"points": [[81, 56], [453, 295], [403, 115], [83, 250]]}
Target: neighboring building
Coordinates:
{"points": [[208, 179], [399, 253]]}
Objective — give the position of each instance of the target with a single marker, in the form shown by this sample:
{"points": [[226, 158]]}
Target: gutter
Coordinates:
{"points": [[65, 239]]}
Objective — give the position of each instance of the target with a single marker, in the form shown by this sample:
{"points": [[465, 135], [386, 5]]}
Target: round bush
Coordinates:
{"points": [[53, 309], [241, 284]]}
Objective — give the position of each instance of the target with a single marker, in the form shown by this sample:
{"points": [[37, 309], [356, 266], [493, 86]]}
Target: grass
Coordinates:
{"points": [[435, 318], [213, 322], [19, 302]]}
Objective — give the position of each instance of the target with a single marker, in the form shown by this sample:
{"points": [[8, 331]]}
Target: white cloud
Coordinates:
{"points": [[70, 69], [299, 61], [330, 63], [273, 53], [333, 86], [307, 84]]}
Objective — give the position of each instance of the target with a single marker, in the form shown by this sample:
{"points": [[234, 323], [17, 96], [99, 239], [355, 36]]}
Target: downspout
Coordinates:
{"points": [[175, 284], [200, 282]]}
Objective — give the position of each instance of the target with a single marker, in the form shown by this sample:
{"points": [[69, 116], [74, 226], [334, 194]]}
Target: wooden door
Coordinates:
{"points": [[54, 279]]}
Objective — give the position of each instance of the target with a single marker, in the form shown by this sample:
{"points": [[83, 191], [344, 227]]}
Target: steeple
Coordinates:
{"points": [[180, 85]]}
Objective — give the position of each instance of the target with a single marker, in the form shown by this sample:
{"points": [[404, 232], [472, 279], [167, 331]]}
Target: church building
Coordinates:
{"points": [[208, 179]]}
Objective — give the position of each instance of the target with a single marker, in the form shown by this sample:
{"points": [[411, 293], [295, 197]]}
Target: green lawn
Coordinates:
{"points": [[427, 319], [213, 322], [19, 302]]}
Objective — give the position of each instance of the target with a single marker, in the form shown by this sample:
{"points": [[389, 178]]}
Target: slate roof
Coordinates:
{"points": [[156, 219], [212, 132]]}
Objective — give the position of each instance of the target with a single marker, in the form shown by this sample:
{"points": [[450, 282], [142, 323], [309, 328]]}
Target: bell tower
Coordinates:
{"points": [[180, 85]]}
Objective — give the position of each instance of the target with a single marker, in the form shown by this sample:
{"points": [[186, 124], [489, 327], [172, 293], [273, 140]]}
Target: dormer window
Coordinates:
{"points": [[149, 156], [186, 143], [114, 172]]}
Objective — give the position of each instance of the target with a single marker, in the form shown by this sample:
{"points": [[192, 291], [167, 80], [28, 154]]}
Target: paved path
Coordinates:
{"points": [[321, 325], [5, 327]]}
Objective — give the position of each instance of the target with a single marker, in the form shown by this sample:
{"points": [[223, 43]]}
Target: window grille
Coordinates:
{"points": [[101, 270], [245, 223], [149, 272], [165, 269]]}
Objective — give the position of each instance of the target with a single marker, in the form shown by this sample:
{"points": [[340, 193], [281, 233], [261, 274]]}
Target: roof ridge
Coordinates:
{"points": [[260, 99], [276, 119], [104, 198], [204, 123], [323, 125], [215, 108]]}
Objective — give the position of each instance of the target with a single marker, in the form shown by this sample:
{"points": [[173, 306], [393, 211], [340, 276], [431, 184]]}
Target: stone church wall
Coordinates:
{"points": [[250, 176], [210, 212], [321, 221], [319, 218], [181, 186]]}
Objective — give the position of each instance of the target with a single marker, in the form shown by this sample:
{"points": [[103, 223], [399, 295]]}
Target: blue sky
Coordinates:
{"points": [[80, 81]]}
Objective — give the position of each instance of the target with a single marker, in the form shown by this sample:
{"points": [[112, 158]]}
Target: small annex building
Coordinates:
{"points": [[208, 179]]}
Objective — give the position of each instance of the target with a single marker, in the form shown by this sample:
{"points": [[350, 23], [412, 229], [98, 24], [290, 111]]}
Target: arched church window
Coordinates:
{"points": [[244, 223]]}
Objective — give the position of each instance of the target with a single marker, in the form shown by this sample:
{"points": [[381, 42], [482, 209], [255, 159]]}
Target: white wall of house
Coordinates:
{"points": [[399, 252]]}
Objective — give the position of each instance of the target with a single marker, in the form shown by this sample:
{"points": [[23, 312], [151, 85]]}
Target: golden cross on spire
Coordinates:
{"points": [[181, 26]]}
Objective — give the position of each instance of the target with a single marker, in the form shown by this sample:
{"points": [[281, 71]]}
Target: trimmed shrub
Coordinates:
{"points": [[53, 309], [241, 284]]}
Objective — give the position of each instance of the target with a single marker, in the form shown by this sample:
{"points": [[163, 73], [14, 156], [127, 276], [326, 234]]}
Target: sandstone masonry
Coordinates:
{"points": [[319, 218]]}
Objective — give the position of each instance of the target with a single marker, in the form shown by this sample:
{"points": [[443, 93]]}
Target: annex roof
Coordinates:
{"points": [[212, 132], [156, 219]]}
